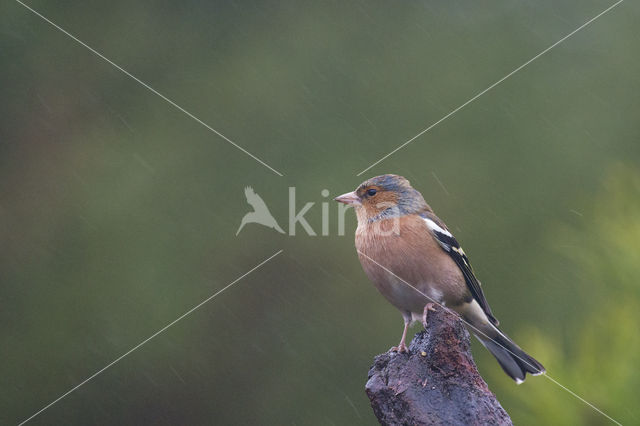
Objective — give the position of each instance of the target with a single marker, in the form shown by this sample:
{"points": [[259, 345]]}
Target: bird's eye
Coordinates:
{"points": [[371, 192]]}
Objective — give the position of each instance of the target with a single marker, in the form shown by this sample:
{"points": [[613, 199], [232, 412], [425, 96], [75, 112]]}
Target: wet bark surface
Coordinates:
{"points": [[435, 383]]}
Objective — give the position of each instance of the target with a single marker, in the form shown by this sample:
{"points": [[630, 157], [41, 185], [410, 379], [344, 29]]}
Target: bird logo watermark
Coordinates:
{"points": [[260, 214]]}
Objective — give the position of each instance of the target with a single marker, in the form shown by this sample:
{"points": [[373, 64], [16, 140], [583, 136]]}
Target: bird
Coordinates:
{"points": [[416, 263], [260, 213]]}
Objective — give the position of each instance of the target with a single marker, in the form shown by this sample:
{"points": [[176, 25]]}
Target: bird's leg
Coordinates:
{"points": [[402, 347], [428, 307]]}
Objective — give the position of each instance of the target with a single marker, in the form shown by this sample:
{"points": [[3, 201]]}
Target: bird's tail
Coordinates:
{"points": [[513, 360], [277, 227], [242, 224]]}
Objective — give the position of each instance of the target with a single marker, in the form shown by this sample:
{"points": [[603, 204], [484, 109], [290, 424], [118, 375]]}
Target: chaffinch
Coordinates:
{"points": [[415, 262]]}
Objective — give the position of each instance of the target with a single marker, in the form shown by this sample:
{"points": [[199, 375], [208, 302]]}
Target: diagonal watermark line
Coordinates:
{"points": [[581, 398], [545, 374], [148, 339], [492, 86], [127, 73]]}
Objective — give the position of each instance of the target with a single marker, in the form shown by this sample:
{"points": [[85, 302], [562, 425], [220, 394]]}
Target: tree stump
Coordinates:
{"points": [[435, 383]]}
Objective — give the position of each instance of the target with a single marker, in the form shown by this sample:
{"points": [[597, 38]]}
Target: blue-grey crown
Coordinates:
{"points": [[409, 199]]}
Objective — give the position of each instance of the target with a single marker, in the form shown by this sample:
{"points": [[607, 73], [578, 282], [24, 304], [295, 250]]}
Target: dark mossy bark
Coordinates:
{"points": [[435, 383]]}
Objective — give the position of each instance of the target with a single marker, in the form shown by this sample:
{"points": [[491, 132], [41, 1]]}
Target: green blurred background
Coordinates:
{"points": [[118, 213]]}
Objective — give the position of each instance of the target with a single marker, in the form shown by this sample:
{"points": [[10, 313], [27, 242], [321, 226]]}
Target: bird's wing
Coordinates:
{"points": [[255, 200], [447, 241]]}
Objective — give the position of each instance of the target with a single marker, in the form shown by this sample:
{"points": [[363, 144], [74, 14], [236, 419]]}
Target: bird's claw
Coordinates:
{"points": [[401, 348], [428, 307]]}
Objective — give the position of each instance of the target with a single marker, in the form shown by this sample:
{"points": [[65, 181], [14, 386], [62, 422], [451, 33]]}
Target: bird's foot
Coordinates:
{"points": [[428, 307], [401, 348]]}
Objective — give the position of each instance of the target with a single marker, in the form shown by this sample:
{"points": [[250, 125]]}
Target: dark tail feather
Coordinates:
{"points": [[513, 360]]}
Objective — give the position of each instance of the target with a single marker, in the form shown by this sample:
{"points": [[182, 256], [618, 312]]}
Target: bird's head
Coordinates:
{"points": [[384, 197]]}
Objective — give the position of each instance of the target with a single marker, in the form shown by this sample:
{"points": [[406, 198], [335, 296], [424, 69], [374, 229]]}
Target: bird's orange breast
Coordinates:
{"points": [[408, 264]]}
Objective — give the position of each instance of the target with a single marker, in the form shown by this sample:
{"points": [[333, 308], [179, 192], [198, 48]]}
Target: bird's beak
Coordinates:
{"points": [[349, 198]]}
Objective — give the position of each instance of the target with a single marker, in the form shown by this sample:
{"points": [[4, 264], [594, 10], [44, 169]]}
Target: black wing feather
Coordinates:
{"points": [[453, 249]]}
